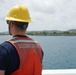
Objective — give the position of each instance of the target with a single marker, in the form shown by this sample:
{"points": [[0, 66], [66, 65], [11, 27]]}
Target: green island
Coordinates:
{"points": [[71, 32]]}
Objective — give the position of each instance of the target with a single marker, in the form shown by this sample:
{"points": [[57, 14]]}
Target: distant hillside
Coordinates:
{"points": [[72, 30], [4, 33], [58, 31]]}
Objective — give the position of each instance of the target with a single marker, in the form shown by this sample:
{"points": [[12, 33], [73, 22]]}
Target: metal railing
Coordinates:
{"points": [[59, 72]]}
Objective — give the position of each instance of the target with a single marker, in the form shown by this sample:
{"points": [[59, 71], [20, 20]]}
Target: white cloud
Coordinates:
{"points": [[46, 14], [43, 6]]}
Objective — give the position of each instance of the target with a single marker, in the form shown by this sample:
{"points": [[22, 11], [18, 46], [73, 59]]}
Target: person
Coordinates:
{"points": [[20, 55]]}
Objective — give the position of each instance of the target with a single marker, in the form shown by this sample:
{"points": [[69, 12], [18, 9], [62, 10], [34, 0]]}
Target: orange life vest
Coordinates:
{"points": [[30, 54]]}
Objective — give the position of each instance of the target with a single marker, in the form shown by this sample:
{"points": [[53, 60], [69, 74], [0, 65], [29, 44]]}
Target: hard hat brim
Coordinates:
{"points": [[14, 19]]}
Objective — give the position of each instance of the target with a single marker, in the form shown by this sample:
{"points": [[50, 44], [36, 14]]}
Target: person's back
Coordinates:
{"points": [[22, 54]]}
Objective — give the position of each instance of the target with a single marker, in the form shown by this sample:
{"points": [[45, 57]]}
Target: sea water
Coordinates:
{"points": [[59, 51]]}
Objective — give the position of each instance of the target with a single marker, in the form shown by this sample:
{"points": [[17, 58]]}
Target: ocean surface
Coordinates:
{"points": [[59, 51]]}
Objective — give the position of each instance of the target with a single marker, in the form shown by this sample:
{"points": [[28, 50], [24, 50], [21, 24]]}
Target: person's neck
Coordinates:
{"points": [[19, 33]]}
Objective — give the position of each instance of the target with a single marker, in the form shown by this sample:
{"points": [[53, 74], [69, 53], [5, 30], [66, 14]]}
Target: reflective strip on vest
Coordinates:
{"points": [[15, 41]]}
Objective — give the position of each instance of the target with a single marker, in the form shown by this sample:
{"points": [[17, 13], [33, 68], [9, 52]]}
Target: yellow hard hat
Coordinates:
{"points": [[18, 13]]}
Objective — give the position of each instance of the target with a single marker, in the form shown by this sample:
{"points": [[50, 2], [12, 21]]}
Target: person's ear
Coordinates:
{"points": [[11, 24]]}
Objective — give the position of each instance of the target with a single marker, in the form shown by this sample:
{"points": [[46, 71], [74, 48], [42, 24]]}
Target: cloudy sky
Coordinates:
{"points": [[45, 14]]}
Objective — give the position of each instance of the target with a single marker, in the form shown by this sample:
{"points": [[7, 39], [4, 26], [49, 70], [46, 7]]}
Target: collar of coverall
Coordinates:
{"points": [[19, 36]]}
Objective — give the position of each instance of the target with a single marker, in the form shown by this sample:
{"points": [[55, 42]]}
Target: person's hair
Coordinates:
{"points": [[20, 25]]}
